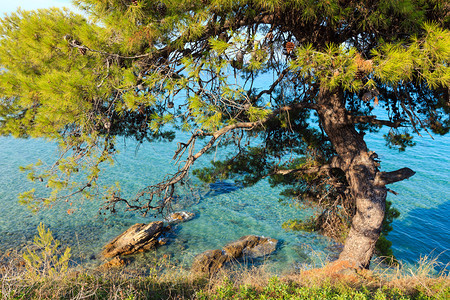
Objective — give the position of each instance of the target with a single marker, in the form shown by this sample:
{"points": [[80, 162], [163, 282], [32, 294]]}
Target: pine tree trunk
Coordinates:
{"points": [[361, 171]]}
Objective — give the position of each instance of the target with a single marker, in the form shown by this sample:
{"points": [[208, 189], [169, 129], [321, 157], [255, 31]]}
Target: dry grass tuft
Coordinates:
{"points": [[423, 277]]}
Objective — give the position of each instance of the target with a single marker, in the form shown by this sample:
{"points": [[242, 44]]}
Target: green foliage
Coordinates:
{"points": [[53, 86], [383, 248], [49, 76], [399, 140], [219, 46], [255, 70], [391, 214], [256, 113], [246, 168], [44, 258], [383, 245], [336, 66], [425, 59], [308, 225], [281, 289], [331, 223]]}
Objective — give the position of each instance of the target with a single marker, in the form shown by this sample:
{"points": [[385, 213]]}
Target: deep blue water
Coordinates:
{"points": [[225, 212], [424, 199]]}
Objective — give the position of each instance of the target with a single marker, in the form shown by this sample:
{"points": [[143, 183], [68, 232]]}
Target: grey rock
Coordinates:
{"points": [[250, 246]]}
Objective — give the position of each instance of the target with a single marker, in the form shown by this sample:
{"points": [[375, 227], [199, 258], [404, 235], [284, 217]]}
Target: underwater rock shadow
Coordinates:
{"points": [[222, 187]]}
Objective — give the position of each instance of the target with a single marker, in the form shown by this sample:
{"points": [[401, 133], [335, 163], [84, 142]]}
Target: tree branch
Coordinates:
{"points": [[76, 44], [411, 118], [311, 170], [374, 120], [272, 87], [384, 178], [166, 188]]}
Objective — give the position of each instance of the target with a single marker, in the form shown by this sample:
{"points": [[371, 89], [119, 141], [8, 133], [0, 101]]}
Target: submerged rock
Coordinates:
{"points": [[250, 246], [138, 238], [178, 217]]}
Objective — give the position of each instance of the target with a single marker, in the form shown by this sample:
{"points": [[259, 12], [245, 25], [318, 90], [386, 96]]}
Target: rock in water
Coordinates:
{"points": [[235, 249], [262, 247], [250, 246], [178, 217], [209, 261], [139, 237]]}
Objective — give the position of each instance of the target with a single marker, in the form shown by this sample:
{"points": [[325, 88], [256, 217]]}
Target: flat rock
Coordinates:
{"points": [[236, 249], [138, 238], [263, 247], [250, 246]]}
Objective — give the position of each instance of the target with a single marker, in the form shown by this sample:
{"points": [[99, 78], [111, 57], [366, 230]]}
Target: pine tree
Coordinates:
{"points": [[136, 66]]}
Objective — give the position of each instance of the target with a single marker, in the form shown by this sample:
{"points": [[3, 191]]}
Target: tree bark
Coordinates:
{"points": [[361, 171]]}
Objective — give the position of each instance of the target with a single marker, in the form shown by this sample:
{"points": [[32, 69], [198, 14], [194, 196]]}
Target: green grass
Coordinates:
{"points": [[277, 289]]}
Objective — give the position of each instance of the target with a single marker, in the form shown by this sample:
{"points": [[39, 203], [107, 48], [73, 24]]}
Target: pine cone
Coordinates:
{"points": [[161, 8], [289, 47], [238, 62]]}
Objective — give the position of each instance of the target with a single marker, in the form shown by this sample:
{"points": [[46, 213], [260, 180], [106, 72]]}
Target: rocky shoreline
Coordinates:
{"points": [[146, 237]]}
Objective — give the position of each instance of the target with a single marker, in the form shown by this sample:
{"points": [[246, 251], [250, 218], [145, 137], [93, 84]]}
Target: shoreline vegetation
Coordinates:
{"points": [[234, 283], [44, 271]]}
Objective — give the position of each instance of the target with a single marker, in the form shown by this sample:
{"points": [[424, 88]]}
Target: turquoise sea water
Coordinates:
{"points": [[225, 212], [424, 199]]}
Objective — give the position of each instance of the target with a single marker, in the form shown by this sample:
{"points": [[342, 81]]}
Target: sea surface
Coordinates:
{"points": [[225, 211]]}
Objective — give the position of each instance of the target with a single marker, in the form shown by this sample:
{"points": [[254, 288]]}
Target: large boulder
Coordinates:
{"points": [[250, 246], [236, 249], [263, 247], [138, 238]]}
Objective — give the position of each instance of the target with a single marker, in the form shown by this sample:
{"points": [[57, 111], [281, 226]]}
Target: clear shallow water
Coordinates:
{"points": [[224, 211]]}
